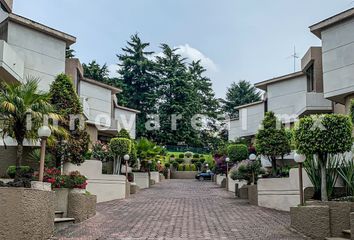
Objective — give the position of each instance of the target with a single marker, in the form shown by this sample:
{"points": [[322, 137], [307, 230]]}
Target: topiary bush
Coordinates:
{"points": [[167, 165], [193, 167], [272, 140], [123, 133], [188, 154], [323, 135], [180, 167], [187, 167], [119, 147], [180, 160], [181, 155], [175, 164], [237, 152], [196, 155]]}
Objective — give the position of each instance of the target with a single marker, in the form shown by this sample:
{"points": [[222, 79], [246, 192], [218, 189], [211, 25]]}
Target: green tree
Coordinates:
{"points": [[119, 148], [237, 152], [95, 71], [139, 81], [123, 133], [67, 104], [69, 53], [20, 104], [272, 141], [239, 94], [324, 135]]}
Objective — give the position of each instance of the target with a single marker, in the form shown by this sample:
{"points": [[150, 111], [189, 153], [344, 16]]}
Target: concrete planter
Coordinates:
{"points": [[253, 195], [141, 179], [339, 215], [183, 175], [81, 206], [133, 188], [243, 191], [312, 221], [42, 186], [26, 214], [155, 176], [223, 183], [152, 182], [219, 179]]}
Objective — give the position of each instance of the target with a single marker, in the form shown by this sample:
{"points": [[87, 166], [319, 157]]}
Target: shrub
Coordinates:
{"points": [[188, 154], [195, 160], [193, 167], [187, 167], [237, 152], [167, 165], [172, 156], [180, 160], [346, 171], [199, 165], [202, 160], [181, 155], [101, 152], [120, 146], [77, 180], [196, 155], [323, 135], [272, 141], [246, 171], [180, 167], [123, 133], [11, 171]]}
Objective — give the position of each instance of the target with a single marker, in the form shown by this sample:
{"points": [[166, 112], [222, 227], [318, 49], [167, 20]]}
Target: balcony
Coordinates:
{"points": [[11, 65], [316, 103], [85, 106]]}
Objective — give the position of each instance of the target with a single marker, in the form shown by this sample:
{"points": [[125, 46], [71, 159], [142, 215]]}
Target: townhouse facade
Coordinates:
{"points": [[32, 50], [325, 83]]}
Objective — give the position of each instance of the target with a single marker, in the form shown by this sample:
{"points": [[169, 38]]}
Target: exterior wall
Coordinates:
{"points": [[338, 60], [93, 132], [281, 193], [99, 100], [155, 176], [141, 180], [11, 65], [43, 55], [291, 98], [183, 175], [314, 55], [105, 187], [126, 120], [232, 184], [249, 122]]}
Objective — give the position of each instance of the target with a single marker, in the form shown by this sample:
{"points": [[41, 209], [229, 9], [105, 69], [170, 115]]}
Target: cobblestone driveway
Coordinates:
{"points": [[182, 209]]}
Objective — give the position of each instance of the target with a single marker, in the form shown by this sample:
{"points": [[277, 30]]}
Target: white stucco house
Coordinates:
{"points": [[31, 49], [289, 97], [337, 35]]}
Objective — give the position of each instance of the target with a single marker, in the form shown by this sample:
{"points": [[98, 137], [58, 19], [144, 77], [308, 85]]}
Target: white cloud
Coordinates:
{"points": [[194, 54], [113, 68]]}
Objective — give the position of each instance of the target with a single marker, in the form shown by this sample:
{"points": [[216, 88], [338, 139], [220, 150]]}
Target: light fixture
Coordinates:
{"points": [[299, 158], [44, 132], [126, 157], [252, 157], [227, 159]]}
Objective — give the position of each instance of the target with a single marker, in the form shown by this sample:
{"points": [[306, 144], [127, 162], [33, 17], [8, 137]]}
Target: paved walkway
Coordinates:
{"points": [[182, 209]]}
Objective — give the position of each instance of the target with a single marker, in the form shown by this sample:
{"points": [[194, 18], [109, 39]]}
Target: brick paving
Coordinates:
{"points": [[182, 209]]}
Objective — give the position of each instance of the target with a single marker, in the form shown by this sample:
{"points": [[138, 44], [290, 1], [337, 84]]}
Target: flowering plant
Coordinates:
{"points": [[73, 180], [77, 180]]}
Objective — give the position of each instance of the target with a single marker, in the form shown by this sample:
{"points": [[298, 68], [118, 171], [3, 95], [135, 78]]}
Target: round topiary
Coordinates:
{"points": [[187, 167], [188, 154], [123, 133], [120, 146], [181, 155], [196, 155], [237, 152], [180, 167]]}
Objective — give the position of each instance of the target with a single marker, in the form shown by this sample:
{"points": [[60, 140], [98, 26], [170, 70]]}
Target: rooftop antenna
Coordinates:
{"points": [[295, 56]]}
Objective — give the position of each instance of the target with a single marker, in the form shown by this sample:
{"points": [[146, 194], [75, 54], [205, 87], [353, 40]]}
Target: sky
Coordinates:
{"points": [[236, 40]]}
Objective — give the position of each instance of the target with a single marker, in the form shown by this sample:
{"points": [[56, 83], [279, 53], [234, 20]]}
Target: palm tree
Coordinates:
{"points": [[23, 108]]}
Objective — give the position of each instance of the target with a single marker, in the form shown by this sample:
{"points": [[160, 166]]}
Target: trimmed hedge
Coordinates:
{"points": [[237, 152], [11, 171]]}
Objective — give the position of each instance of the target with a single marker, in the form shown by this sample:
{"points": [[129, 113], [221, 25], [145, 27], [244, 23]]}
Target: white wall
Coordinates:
{"points": [[43, 55], [99, 101], [250, 119], [126, 120], [338, 59]]}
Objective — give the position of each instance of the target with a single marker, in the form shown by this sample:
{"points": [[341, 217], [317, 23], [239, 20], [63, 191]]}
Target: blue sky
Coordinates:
{"points": [[236, 39]]}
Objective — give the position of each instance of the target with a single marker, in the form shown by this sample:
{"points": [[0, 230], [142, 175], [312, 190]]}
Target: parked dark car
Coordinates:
{"points": [[204, 176]]}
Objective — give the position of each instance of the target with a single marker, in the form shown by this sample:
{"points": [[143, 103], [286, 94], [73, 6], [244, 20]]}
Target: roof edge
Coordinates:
{"points": [[262, 85], [69, 39], [100, 84], [249, 104], [127, 109]]}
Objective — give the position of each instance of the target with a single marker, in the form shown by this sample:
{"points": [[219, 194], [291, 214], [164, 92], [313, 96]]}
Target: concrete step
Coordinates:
{"points": [[347, 232], [62, 223], [59, 214]]}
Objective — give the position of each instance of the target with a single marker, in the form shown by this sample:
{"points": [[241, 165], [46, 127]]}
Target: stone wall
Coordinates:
{"points": [[26, 214], [352, 225], [339, 215], [183, 175], [81, 206], [312, 221]]}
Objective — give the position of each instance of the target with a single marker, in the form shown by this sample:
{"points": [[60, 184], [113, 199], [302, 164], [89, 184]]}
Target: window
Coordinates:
{"points": [[310, 79]]}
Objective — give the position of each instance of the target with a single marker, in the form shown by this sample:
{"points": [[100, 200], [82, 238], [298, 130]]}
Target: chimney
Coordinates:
{"points": [[7, 4]]}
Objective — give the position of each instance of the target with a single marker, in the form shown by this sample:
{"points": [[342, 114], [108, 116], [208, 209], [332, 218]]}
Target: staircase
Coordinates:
{"points": [[346, 236], [61, 222]]}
